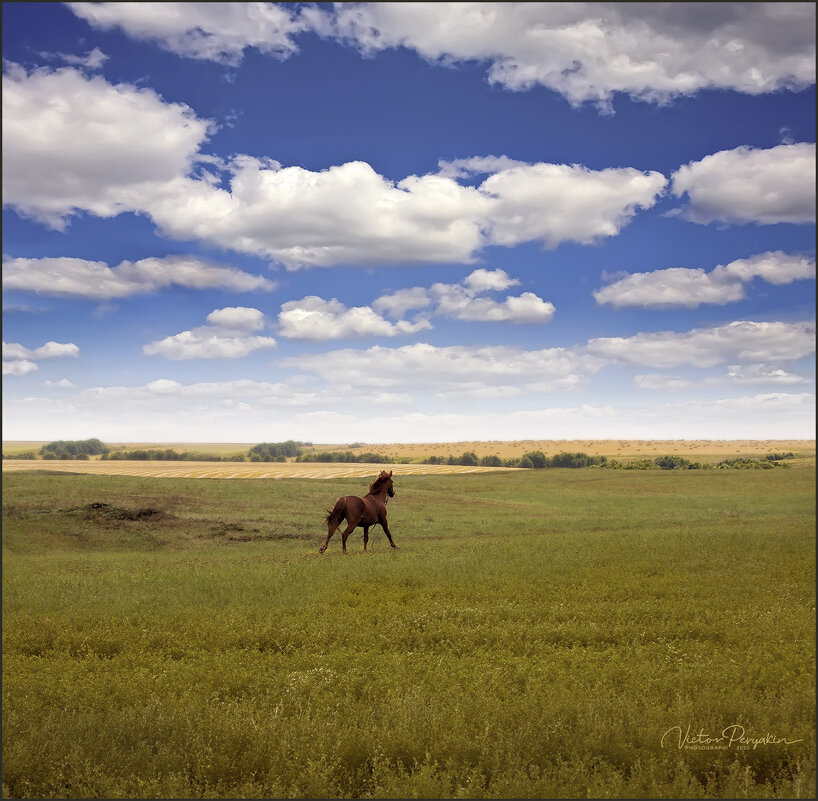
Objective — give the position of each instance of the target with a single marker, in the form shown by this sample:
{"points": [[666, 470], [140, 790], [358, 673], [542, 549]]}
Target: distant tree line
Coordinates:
{"points": [[291, 449], [168, 455], [344, 456], [769, 462], [533, 459]]}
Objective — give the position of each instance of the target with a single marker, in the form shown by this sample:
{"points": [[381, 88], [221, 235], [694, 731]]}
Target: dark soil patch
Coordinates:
{"points": [[104, 512]]}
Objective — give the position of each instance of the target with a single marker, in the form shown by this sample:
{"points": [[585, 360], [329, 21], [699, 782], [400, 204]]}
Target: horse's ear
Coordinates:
{"points": [[390, 474]]}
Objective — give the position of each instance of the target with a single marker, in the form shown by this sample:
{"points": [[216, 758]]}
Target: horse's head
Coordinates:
{"points": [[381, 483]]}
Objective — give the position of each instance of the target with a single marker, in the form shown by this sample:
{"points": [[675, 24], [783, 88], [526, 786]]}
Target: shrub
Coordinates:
{"points": [[23, 455], [672, 463], [538, 459], [73, 449], [271, 451], [575, 460]]}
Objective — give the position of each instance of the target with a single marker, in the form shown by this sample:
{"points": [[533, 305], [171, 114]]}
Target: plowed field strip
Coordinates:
{"points": [[238, 469]]}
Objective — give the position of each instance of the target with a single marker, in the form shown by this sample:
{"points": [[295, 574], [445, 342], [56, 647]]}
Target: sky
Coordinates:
{"points": [[408, 222]]}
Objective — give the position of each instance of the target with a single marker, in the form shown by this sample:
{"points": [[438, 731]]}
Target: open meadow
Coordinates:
{"points": [[540, 633]]}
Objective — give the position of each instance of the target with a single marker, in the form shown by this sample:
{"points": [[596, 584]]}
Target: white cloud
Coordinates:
{"points": [[238, 318], [317, 319], [525, 308], [344, 214], [589, 51], [241, 412], [19, 360], [404, 300], [460, 301], [227, 336], [443, 369], [761, 374], [95, 279], [774, 267], [737, 374], [18, 367], [680, 286], [458, 368], [553, 203], [706, 347], [63, 383], [92, 60], [51, 350], [748, 185], [477, 165], [482, 280], [666, 383], [75, 143], [210, 31]]}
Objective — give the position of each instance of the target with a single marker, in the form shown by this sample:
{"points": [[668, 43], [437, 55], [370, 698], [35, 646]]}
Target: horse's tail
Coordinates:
{"points": [[334, 517]]}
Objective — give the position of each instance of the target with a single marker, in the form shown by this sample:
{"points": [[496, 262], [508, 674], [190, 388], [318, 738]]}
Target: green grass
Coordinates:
{"points": [[536, 636]]}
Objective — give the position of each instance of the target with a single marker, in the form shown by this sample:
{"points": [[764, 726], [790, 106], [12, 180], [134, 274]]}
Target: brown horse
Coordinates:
{"points": [[362, 512]]}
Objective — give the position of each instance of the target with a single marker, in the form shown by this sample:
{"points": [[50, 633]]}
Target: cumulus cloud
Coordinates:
{"points": [[74, 143], [706, 347], [552, 203], [19, 360], [18, 367], [749, 185], [461, 301], [317, 319], [350, 214], [589, 51], [227, 335], [690, 287], [95, 279], [217, 32]]}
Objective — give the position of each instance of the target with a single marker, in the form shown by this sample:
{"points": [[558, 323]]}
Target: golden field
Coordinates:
{"points": [[623, 449]]}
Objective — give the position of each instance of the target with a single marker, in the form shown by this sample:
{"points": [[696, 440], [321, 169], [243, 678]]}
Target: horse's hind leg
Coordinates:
{"points": [[344, 534], [332, 529]]}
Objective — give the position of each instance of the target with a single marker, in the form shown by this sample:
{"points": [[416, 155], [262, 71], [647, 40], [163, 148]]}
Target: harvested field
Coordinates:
{"points": [[236, 469]]}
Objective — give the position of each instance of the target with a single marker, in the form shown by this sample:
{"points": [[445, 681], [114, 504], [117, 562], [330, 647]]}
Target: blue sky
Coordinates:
{"points": [[250, 222]]}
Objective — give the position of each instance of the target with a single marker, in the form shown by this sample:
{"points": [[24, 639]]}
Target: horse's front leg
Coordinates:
{"points": [[366, 536], [385, 527]]}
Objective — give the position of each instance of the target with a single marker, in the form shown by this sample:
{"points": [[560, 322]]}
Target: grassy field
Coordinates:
{"points": [[550, 633]]}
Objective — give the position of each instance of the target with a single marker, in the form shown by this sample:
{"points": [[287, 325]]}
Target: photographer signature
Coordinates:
{"points": [[731, 736]]}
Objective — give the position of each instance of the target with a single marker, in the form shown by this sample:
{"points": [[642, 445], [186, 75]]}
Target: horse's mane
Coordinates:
{"points": [[379, 481]]}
